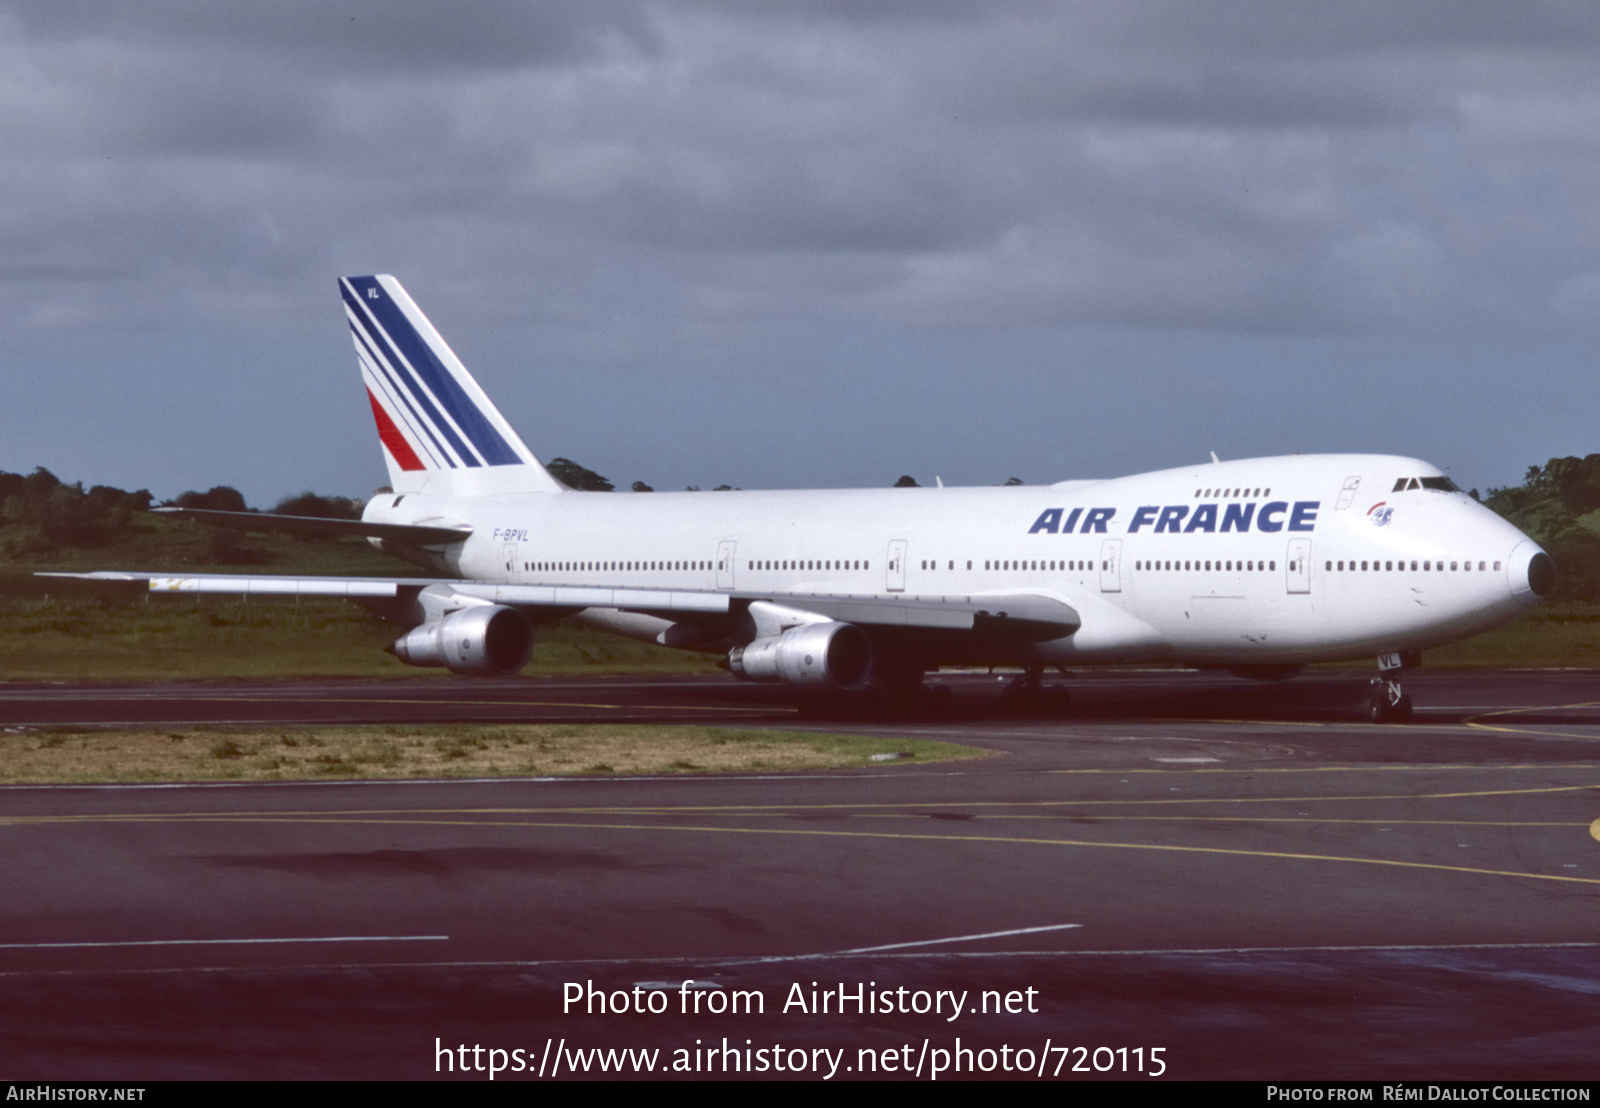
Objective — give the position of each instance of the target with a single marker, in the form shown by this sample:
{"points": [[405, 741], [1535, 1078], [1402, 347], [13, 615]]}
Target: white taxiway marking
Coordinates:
{"points": [[963, 938], [236, 942]]}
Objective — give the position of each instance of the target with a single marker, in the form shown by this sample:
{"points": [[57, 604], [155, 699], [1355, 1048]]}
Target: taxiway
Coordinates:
{"points": [[1245, 876]]}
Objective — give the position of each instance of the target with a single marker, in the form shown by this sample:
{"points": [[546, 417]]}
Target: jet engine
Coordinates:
{"points": [[485, 640], [833, 657]]}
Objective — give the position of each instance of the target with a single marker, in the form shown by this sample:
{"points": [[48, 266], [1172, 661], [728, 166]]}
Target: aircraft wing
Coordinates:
{"points": [[517, 596], [419, 534], [1028, 616]]}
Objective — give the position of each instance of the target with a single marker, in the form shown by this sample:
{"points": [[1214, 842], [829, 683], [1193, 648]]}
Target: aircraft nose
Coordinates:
{"points": [[1531, 571]]}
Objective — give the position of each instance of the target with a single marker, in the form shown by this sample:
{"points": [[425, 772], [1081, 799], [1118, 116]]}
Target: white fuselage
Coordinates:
{"points": [[1258, 562]]}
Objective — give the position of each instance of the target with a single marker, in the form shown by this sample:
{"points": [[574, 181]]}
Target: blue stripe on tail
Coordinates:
{"points": [[394, 335]]}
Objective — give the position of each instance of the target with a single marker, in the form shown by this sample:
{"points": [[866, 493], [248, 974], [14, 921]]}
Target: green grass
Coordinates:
{"points": [[63, 629], [1562, 635], [73, 756], [87, 632], [81, 632]]}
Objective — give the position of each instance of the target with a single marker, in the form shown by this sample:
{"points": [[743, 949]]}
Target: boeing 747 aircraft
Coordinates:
{"points": [[1257, 566]]}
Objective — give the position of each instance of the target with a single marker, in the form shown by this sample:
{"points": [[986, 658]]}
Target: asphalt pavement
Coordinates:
{"points": [[1171, 872]]}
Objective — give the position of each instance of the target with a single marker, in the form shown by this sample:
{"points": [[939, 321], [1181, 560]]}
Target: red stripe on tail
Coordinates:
{"points": [[393, 440]]}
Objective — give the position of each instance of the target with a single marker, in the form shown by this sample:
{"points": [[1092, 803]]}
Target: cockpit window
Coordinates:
{"points": [[1443, 484]]}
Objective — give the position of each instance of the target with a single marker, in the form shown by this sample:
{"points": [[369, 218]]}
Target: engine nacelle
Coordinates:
{"points": [[836, 657], [485, 640]]}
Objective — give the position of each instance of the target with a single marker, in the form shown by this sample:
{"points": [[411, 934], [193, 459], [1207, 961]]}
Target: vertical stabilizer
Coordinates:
{"points": [[438, 428]]}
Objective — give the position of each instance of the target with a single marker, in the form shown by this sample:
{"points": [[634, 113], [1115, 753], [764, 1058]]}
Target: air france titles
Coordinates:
{"points": [[1274, 516]]}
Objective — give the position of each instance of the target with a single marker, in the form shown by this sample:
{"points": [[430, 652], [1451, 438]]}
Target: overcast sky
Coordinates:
{"points": [[808, 243]]}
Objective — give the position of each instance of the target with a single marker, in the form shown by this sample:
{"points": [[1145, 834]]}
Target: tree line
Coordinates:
{"points": [[40, 513], [1558, 506]]}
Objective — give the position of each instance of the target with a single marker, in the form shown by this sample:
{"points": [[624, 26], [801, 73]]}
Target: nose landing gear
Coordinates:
{"points": [[1390, 702]]}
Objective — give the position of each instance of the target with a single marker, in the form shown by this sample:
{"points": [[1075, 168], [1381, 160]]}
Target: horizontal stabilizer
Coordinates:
{"points": [[316, 525]]}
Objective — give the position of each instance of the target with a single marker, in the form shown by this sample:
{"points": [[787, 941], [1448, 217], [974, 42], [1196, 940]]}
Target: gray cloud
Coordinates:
{"points": [[399, 38], [717, 187]]}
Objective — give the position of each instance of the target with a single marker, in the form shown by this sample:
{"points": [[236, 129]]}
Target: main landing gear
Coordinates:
{"points": [[1390, 702], [1027, 694]]}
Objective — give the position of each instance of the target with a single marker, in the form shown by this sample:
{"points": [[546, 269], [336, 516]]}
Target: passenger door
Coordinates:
{"points": [[1111, 565], [1298, 569], [897, 566]]}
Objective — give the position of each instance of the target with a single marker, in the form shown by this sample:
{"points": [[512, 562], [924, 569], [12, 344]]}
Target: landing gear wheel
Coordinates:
{"points": [[1028, 695], [1390, 702]]}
